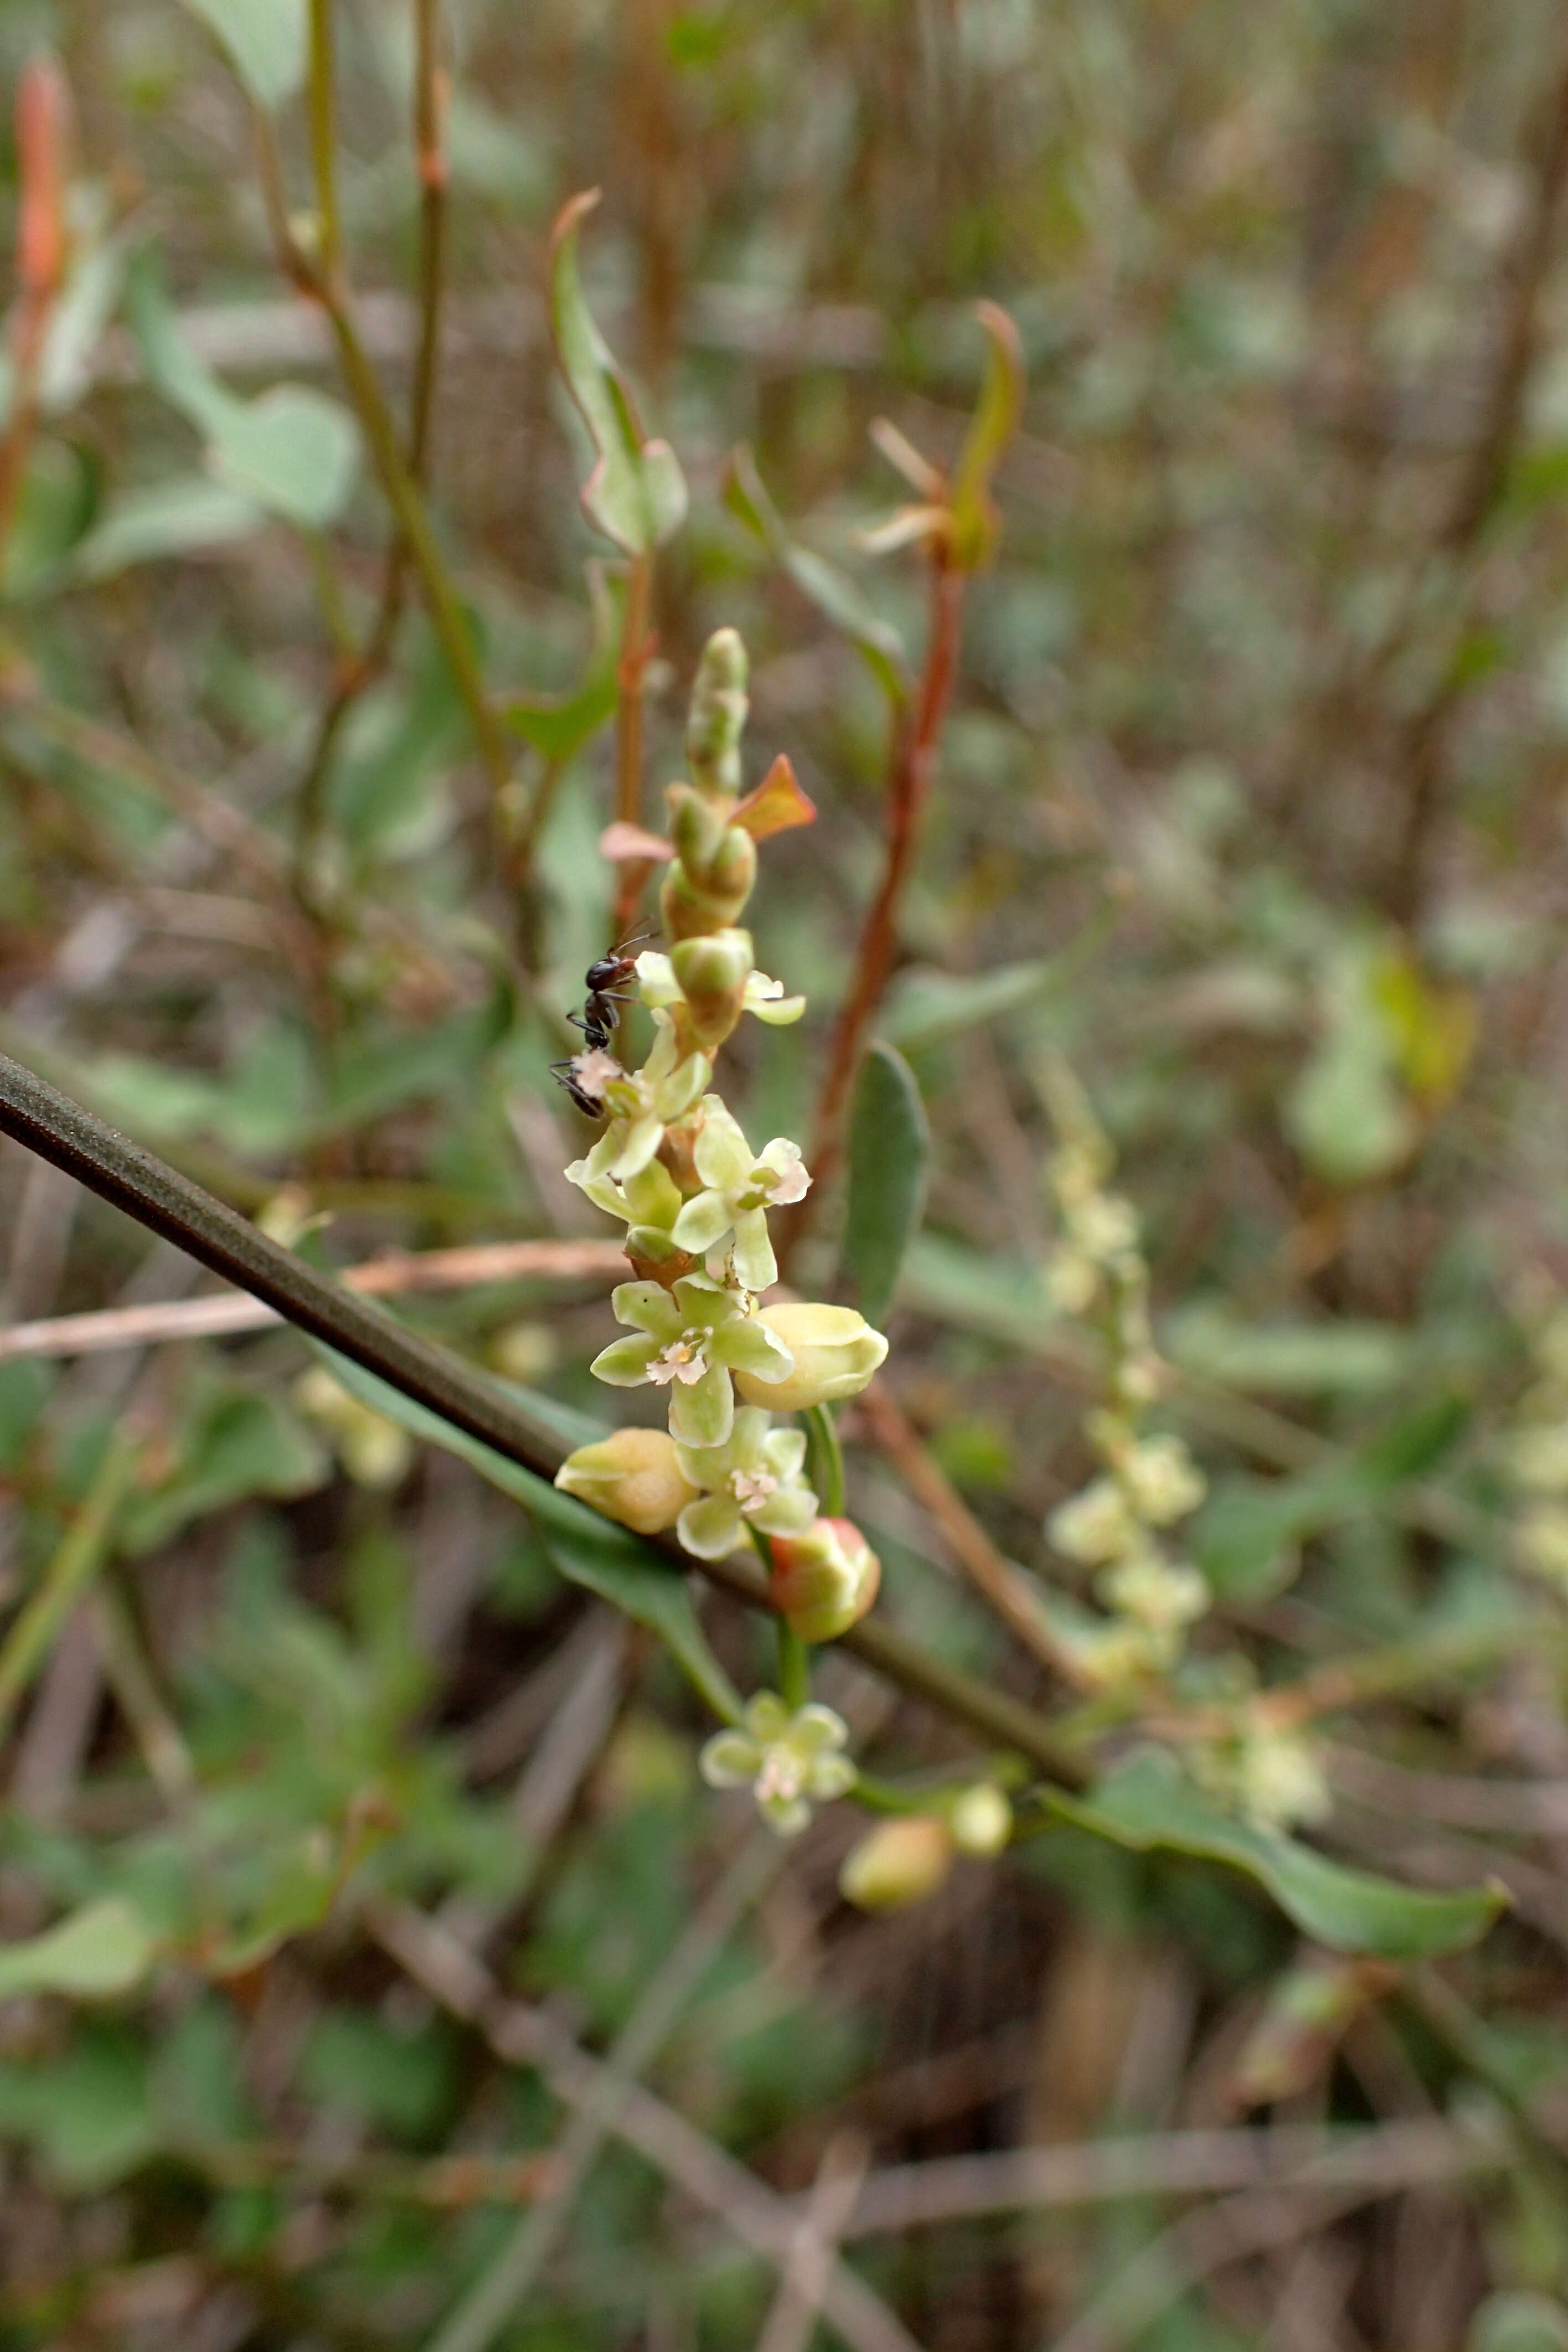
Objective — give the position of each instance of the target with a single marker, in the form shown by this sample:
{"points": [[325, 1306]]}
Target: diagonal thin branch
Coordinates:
{"points": [[523, 2036]]}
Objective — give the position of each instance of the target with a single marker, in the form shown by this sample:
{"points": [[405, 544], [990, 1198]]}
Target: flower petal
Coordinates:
{"points": [[767, 1718], [748, 1345], [722, 1153], [648, 1307], [711, 1528], [785, 1815], [656, 976], [701, 1414], [676, 1094], [787, 1513], [639, 1138], [830, 1777], [730, 1760], [624, 1364], [754, 1260], [701, 1223], [778, 1012], [783, 1449], [815, 1728]]}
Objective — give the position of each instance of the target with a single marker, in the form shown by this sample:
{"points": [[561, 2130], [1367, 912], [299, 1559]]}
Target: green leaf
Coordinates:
{"points": [[637, 493], [975, 523], [587, 1550], [1145, 1803], [292, 451], [927, 1007], [97, 1953], [167, 518], [1342, 1358], [890, 1150], [265, 41], [559, 726], [1518, 2323], [832, 591]]}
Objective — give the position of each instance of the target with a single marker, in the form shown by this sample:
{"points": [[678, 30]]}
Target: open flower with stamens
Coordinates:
{"points": [[690, 1339], [739, 1187], [789, 1761], [752, 1480], [641, 1104], [764, 997]]}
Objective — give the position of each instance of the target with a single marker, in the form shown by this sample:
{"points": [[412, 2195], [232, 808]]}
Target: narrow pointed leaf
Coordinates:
{"points": [[890, 1148], [975, 523], [833, 593], [1145, 1803], [637, 493]]}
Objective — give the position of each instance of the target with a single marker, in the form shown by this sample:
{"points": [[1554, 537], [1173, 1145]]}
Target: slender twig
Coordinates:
{"points": [[792, 2322], [112, 1328], [401, 491], [915, 748], [324, 137], [497, 2294], [999, 1583], [905, 2197], [146, 1188], [356, 675], [1475, 498], [42, 110], [637, 645], [75, 1563], [523, 2036]]}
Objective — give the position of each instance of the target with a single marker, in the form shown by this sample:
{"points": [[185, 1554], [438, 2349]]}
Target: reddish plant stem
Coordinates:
{"points": [[637, 648], [42, 104], [914, 766]]}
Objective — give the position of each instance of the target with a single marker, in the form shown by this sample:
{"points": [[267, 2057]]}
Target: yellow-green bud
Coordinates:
{"points": [[718, 714], [634, 1475], [836, 1352], [712, 973], [901, 1863], [372, 1450], [694, 904], [825, 1579], [981, 1819]]}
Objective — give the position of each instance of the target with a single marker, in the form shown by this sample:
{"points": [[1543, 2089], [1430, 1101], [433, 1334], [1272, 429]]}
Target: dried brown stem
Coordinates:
{"points": [[914, 766], [997, 1581]]}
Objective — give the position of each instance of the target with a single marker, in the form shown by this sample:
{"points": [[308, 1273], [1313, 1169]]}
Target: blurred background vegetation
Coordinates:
{"points": [[388, 1842]]}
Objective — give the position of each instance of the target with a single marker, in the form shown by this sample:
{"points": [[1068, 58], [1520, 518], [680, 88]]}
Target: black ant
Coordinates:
{"points": [[606, 981]]}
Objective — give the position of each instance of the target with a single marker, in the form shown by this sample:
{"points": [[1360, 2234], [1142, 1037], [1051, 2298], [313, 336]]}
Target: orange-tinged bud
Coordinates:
{"points": [[634, 1475], [901, 1863], [825, 1579], [43, 121]]}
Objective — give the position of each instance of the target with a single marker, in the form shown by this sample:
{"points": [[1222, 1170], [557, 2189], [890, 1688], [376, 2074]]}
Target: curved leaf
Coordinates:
{"points": [[98, 1952], [637, 493], [890, 1147], [833, 593], [1145, 1803], [976, 522]]}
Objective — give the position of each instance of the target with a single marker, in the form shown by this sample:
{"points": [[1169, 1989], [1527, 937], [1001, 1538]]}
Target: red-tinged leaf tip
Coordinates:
{"points": [[777, 806], [43, 119], [622, 844], [571, 216]]}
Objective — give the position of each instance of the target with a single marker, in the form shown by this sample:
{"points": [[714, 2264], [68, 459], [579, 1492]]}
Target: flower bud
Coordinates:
{"points": [[836, 1352], [634, 1475], [713, 973], [696, 901], [901, 1863], [373, 1451], [980, 1821], [717, 714], [825, 1580]]}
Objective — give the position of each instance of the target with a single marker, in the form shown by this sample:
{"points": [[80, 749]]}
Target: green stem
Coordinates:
{"points": [[827, 1459], [74, 1565], [794, 1667], [324, 136]]}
